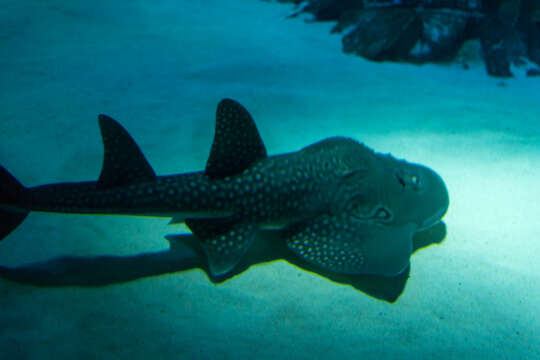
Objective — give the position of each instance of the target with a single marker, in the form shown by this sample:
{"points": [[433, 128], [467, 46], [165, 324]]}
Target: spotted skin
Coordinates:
{"points": [[339, 205]]}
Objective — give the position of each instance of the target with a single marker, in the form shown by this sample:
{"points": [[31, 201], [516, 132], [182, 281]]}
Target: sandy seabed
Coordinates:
{"points": [[160, 68]]}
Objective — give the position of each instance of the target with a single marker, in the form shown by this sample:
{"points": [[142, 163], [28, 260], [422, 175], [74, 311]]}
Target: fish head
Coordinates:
{"points": [[413, 193], [386, 190], [378, 204]]}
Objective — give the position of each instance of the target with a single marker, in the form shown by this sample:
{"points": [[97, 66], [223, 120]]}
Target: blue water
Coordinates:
{"points": [[160, 68]]}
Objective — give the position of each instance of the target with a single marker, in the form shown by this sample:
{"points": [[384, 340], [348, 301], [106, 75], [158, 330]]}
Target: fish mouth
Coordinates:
{"points": [[434, 219], [438, 197]]}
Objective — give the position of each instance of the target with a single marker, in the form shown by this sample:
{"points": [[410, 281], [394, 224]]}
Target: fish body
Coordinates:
{"points": [[340, 205]]}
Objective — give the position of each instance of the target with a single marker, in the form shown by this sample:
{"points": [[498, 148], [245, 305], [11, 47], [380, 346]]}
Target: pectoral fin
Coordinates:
{"points": [[224, 241], [345, 244]]}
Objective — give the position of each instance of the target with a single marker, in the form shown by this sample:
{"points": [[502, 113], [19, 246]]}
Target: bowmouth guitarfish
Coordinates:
{"points": [[338, 204]]}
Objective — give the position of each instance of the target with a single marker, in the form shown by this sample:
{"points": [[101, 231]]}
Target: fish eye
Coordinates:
{"points": [[383, 214]]}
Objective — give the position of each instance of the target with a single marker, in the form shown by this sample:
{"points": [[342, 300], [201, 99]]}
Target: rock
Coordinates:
{"points": [[332, 10], [497, 62], [470, 52], [383, 34], [326, 10], [443, 34], [496, 56], [533, 42], [347, 20], [433, 30], [533, 72], [426, 4]]}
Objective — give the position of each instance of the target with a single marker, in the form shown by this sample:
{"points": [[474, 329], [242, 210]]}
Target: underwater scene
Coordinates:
{"points": [[256, 179]]}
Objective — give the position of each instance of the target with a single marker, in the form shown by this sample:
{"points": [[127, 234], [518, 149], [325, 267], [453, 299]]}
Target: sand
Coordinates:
{"points": [[160, 68]]}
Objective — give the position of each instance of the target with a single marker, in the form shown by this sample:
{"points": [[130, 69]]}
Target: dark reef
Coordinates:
{"points": [[420, 31]]}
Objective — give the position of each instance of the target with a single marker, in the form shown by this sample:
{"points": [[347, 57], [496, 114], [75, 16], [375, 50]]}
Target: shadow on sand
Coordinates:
{"points": [[185, 254]]}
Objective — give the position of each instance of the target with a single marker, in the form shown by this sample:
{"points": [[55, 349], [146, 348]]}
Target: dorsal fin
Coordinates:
{"points": [[237, 143], [123, 161]]}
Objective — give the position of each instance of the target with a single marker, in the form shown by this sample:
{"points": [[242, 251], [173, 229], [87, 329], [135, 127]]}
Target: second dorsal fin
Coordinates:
{"points": [[123, 161], [237, 143]]}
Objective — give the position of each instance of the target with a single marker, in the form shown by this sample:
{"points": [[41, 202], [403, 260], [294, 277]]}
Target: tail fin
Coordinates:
{"points": [[11, 199]]}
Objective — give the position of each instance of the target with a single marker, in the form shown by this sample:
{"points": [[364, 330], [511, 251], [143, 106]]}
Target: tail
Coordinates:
{"points": [[12, 212]]}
